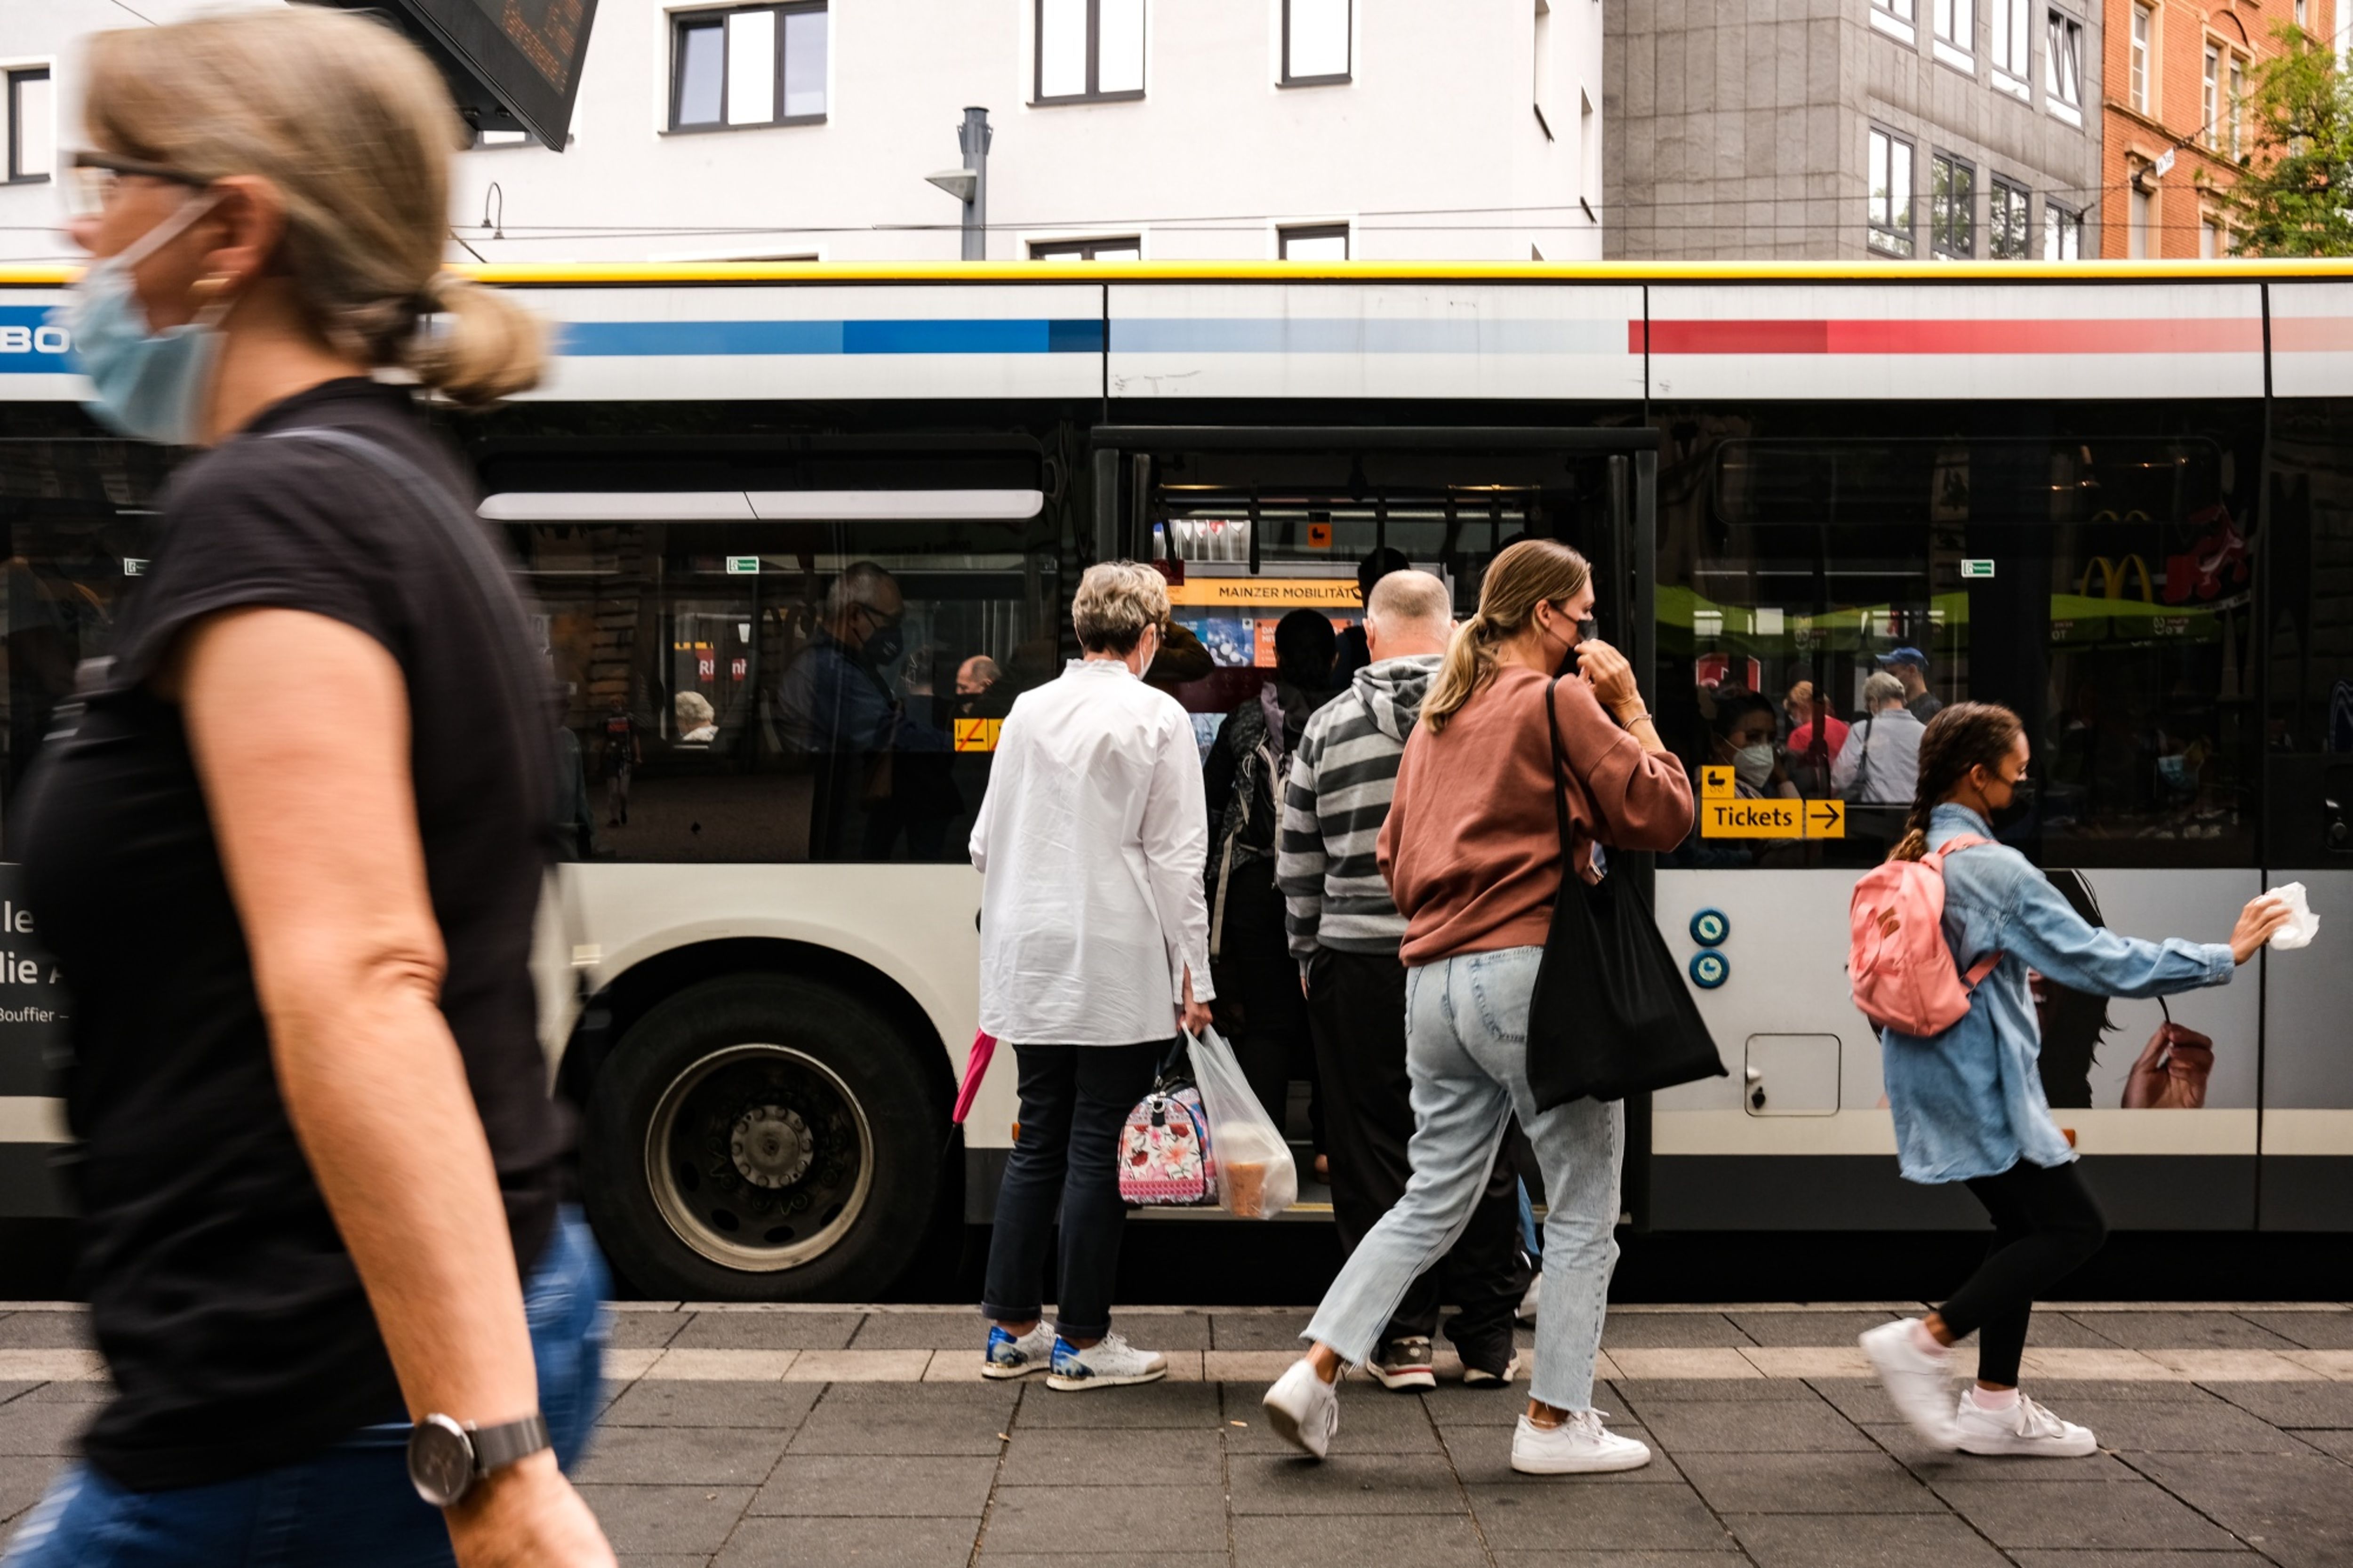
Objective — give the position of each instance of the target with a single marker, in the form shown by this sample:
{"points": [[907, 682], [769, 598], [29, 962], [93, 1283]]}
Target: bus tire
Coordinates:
{"points": [[763, 1138]]}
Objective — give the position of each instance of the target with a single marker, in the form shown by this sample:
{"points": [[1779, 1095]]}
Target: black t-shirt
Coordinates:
{"points": [[220, 1291]]}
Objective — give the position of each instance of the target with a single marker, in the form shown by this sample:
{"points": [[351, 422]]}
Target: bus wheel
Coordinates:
{"points": [[762, 1138]]}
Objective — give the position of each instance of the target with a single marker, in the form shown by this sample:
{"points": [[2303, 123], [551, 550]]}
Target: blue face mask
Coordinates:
{"points": [[150, 385]]}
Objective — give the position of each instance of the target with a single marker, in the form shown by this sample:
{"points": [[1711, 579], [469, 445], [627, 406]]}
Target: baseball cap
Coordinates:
{"points": [[1903, 655]]}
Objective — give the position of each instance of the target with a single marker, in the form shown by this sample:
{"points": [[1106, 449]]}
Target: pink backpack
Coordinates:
{"points": [[1903, 975]]}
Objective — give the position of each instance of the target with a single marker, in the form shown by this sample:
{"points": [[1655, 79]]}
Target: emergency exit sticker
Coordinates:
{"points": [[1977, 568], [743, 566]]}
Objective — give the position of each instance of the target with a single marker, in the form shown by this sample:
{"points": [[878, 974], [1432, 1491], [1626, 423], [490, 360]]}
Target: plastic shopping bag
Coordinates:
{"points": [[1256, 1176], [2300, 930]]}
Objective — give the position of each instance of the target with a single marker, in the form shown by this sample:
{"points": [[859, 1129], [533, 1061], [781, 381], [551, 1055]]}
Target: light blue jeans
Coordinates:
{"points": [[1466, 1051]]}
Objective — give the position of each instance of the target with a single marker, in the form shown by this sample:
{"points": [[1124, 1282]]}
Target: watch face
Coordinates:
{"points": [[440, 1461]]}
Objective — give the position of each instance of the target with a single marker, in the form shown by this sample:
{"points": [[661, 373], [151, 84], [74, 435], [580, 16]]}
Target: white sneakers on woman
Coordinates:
{"points": [[1919, 1383], [1110, 1363], [1303, 1409], [1580, 1445], [2024, 1428]]}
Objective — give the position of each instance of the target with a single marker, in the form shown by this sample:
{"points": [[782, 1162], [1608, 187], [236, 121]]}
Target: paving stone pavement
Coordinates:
{"points": [[742, 1439]]}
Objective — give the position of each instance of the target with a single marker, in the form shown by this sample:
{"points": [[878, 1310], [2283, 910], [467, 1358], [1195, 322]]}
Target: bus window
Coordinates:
{"points": [[828, 690], [1822, 596]]}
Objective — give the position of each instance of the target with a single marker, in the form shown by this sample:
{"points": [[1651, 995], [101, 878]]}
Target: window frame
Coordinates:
{"points": [[1327, 79], [2063, 28], [1286, 233], [1952, 225], [17, 75], [1948, 18], [2001, 191], [2209, 96], [1888, 238], [2237, 84], [1094, 93], [1899, 19], [2011, 22], [1084, 247], [2061, 224], [697, 18], [2140, 47]]}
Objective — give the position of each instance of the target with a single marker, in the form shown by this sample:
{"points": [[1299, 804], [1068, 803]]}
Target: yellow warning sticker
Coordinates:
{"points": [[1715, 782], [1730, 819], [978, 734]]}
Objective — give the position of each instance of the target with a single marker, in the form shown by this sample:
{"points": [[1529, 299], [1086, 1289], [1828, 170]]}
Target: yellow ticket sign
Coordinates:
{"points": [[1724, 814], [978, 734], [1257, 593]]}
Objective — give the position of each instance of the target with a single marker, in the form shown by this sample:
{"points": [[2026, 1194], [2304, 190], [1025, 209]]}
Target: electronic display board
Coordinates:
{"points": [[512, 65]]}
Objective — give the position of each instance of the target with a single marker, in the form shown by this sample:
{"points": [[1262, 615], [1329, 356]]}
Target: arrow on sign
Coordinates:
{"points": [[1826, 819]]}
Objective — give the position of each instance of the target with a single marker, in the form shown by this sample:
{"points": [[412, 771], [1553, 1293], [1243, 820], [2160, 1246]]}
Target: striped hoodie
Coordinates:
{"points": [[1334, 803]]}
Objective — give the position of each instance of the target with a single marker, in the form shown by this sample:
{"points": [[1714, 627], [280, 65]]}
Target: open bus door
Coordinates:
{"points": [[1250, 522]]}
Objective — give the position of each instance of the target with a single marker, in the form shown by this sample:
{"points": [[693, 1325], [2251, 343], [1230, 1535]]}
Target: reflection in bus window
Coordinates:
{"points": [[2100, 581], [792, 691]]}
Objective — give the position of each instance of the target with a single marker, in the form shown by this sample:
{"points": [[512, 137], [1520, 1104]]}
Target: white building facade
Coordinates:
{"points": [[1171, 130]]}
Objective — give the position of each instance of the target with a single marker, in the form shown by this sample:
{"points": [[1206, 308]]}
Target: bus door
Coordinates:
{"points": [[1253, 524]]}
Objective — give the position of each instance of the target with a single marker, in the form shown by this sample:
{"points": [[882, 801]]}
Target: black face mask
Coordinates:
{"points": [[884, 647], [2019, 812], [1567, 665]]}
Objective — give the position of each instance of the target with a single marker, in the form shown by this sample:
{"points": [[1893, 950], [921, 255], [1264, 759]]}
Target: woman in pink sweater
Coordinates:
{"points": [[1471, 851]]}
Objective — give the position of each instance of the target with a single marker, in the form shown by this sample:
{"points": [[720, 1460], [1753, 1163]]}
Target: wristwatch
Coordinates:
{"points": [[446, 1456]]}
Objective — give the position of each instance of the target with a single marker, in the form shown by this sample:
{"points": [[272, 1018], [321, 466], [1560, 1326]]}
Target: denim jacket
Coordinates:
{"points": [[1969, 1102]]}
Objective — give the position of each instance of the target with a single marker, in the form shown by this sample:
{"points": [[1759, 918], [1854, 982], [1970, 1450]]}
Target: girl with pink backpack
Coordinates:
{"points": [[1944, 935]]}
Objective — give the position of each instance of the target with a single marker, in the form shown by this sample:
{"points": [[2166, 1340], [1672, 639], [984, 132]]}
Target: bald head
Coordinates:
{"points": [[1408, 613]]}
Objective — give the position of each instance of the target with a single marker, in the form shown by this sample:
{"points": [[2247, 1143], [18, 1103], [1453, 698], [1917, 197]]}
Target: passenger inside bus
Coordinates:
{"points": [[1882, 765]]}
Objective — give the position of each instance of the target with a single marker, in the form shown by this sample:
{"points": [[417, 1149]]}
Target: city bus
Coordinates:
{"points": [[796, 535]]}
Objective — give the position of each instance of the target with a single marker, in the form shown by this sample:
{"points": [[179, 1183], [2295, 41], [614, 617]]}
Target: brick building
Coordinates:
{"points": [[2177, 129]]}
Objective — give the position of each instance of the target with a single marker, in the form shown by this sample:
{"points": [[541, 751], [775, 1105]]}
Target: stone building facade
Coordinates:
{"points": [[1840, 129], [2177, 76]]}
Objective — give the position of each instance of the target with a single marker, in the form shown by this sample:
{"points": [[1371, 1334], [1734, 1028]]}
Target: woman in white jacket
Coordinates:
{"points": [[1093, 952]]}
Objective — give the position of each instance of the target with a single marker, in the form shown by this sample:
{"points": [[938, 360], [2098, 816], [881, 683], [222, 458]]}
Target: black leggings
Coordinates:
{"points": [[2045, 1226]]}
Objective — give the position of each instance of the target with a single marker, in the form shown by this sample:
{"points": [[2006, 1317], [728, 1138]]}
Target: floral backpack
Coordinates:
{"points": [[1165, 1159]]}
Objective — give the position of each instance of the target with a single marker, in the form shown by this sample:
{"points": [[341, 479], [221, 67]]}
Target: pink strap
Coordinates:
{"points": [[1981, 968]]}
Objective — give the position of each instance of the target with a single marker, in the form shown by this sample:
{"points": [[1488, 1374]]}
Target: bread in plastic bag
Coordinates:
{"points": [[1257, 1178], [2305, 925]]}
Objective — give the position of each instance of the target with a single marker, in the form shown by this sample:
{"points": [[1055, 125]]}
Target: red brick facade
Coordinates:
{"points": [[2157, 99]]}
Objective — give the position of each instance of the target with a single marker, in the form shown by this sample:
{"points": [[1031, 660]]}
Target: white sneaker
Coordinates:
{"points": [[1109, 1363], [1011, 1355], [1303, 1409], [1579, 1445], [1528, 1303], [1917, 1384], [2024, 1428]]}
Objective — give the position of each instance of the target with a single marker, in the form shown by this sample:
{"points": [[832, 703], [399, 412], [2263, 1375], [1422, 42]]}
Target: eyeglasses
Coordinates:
{"points": [[92, 178]]}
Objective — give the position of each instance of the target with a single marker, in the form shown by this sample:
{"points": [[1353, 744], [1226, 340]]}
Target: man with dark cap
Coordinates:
{"points": [[1910, 666]]}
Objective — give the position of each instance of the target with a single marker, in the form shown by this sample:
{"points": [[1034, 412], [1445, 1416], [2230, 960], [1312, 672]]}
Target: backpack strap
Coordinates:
{"points": [[1975, 974]]}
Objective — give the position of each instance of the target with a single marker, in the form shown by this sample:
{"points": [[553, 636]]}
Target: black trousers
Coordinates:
{"points": [[1074, 1099], [1355, 1002], [2045, 1226], [1258, 983]]}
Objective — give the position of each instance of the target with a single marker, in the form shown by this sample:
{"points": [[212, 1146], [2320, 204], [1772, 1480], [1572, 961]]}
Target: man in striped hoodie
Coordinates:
{"points": [[1346, 932]]}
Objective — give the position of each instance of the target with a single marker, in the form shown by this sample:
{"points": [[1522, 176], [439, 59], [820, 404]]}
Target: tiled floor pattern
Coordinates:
{"points": [[742, 1439]]}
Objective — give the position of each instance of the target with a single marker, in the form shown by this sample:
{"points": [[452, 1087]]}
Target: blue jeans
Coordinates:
{"points": [[1466, 1050], [352, 1506]]}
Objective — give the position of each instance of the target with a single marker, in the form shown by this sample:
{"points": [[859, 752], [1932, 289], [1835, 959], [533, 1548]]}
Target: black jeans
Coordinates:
{"points": [[1357, 1004], [1074, 1100], [2045, 1226], [1258, 985]]}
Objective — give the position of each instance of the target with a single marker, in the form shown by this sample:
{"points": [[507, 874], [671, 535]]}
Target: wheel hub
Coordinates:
{"points": [[771, 1146]]}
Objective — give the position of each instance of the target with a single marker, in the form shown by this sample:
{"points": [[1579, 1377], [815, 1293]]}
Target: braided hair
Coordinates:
{"points": [[1963, 736]]}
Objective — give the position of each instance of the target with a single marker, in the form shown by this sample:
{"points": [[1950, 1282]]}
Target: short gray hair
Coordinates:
{"points": [[1115, 601], [693, 708], [855, 586], [1406, 599], [1881, 687]]}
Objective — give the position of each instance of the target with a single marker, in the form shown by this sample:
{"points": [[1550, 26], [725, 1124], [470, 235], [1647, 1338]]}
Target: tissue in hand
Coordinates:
{"points": [[2304, 926]]}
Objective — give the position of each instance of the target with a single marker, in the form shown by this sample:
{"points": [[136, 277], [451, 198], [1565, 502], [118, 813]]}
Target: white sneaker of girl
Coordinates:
{"points": [[1303, 1409], [2024, 1427], [1110, 1363], [1580, 1445], [1919, 1384]]}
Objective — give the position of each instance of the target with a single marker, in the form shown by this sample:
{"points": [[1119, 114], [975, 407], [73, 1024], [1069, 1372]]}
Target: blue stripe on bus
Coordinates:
{"points": [[1363, 335], [594, 340], [28, 344]]}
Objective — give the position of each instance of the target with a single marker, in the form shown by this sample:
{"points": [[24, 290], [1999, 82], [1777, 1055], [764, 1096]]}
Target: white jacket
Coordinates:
{"points": [[1090, 842]]}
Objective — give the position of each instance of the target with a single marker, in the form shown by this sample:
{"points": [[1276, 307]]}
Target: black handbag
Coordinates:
{"points": [[1610, 1015]]}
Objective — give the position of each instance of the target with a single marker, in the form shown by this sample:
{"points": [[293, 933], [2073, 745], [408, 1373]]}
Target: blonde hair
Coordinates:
{"points": [[693, 710], [354, 128], [1115, 601], [1533, 572]]}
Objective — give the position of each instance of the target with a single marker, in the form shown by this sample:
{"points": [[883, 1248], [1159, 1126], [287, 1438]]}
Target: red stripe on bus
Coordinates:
{"points": [[2312, 334], [2197, 334]]}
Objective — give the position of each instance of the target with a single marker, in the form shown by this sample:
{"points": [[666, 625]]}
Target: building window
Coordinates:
{"points": [[2143, 25], [2238, 107], [2213, 240], [2063, 233], [1315, 42], [2012, 24], [1890, 199], [1090, 50], [1312, 242], [2301, 13], [761, 65], [2064, 92], [1955, 29], [1125, 248], [1894, 18], [32, 126], [2209, 91], [2137, 212], [1952, 206], [2007, 234]]}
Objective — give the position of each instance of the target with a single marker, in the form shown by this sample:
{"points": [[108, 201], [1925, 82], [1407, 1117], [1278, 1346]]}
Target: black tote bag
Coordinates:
{"points": [[1611, 1016]]}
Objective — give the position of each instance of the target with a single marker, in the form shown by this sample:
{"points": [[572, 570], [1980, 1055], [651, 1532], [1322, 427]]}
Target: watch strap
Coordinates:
{"points": [[498, 1446]]}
